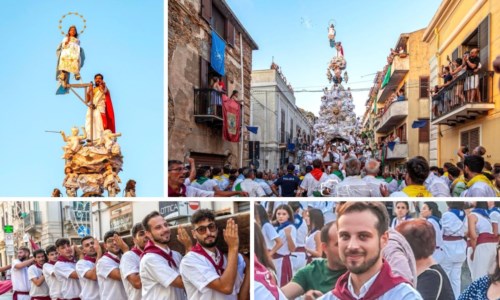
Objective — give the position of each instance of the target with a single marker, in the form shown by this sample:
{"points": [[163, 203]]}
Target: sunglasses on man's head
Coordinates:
{"points": [[203, 229]]}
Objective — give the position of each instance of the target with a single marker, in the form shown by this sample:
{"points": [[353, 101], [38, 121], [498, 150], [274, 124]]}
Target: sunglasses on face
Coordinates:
{"points": [[203, 229]]}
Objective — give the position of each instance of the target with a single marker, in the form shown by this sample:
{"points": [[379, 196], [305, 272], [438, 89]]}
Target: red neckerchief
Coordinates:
{"points": [[152, 248], [116, 260], [384, 282], [181, 193], [52, 263], [265, 278], [317, 173], [64, 259], [137, 251], [218, 267], [89, 258], [39, 266]]}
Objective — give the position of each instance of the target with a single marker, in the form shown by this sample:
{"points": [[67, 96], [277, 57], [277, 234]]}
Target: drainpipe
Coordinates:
{"points": [[242, 97], [62, 220]]}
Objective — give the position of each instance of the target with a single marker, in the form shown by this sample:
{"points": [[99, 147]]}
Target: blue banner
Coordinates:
{"points": [[418, 123], [253, 129], [217, 53]]}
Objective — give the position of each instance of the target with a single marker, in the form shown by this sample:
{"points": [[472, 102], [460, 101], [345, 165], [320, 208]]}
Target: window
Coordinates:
{"points": [[424, 86], [218, 22], [282, 139], [206, 73], [423, 133], [479, 38], [470, 138], [401, 133], [291, 130]]}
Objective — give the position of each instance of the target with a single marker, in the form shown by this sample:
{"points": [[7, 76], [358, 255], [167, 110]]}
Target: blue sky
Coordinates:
{"points": [[124, 42], [295, 33]]}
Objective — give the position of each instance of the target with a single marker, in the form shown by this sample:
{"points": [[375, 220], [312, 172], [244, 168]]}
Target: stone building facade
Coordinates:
{"points": [[192, 130]]}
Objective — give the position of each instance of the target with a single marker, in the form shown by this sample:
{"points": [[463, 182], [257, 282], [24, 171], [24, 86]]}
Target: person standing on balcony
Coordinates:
{"points": [[471, 62], [458, 69], [496, 67], [215, 95]]}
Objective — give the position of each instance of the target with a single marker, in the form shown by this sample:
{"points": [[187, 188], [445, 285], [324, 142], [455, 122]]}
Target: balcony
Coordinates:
{"points": [[392, 116], [399, 69], [453, 109], [33, 221], [400, 151], [208, 107]]}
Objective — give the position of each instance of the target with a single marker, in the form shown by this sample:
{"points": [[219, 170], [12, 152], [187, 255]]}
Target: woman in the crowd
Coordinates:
{"points": [[482, 241], [486, 287], [432, 282], [265, 284], [454, 246], [288, 234], [402, 213], [431, 213], [315, 220], [271, 238]]}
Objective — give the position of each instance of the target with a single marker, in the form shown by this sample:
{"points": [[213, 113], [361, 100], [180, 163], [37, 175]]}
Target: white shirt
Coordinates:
{"points": [[20, 281], [208, 185], [482, 225], [90, 288], [37, 291], [157, 276], [261, 292], [50, 278], [197, 272], [479, 189], [495, 217], [402, 291], [437, 186], [270, 235], [252, 188], [452, 225], [310, 184], [129, 264], [301, 234], [109, 289], [283, 250], [195, 192], [374, 184], [353, 186], [265, 186], [70, 288], [438, 231]]}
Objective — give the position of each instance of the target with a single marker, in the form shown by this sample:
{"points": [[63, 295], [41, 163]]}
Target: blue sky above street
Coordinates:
{"points": [[295, 34], [124, 42]]}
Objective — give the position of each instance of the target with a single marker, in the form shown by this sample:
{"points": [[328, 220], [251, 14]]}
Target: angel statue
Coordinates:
{"points": [[111, 181], [70, 182], [108, 139], [73, 142], [331, 35]]}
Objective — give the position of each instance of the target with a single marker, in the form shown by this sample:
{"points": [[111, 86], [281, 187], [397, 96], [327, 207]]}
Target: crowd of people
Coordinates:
{"points": [[343, 175], [110, 270], [353, 250]]}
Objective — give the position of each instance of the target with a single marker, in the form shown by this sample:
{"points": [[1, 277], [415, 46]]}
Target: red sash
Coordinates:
{"points": [[300, 249], [265, 277], [64, 259], [152, 248], [14, 297], [137, 251], [286, 268], [219, 268], [181, 193], [68, 299], [116, 260], [89, 258], [452, 238], [485, 237], [384, 282], [41, 298]]}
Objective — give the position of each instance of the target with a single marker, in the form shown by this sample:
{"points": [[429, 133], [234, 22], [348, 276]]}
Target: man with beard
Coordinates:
{"points": [[65, 270], [39, 288], [129, 264], [108, 268], [19, 274], [362, 231], [103, 116], [177, 174], [206, 272], [159, 264], [478, 184], [86, 268], [49, 274], [318, 277]]}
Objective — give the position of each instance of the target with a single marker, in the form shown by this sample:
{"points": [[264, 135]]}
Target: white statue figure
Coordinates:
{"points": [[70, 182], [108, 139], [111, 181], [73, 142]]}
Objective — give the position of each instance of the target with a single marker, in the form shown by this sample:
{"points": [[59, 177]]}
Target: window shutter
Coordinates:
{"points": [[206, 10], [423, 134], [229, 33], [424, 85], [484, 42], [454, 55], [203, 73], [474, 138]]}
